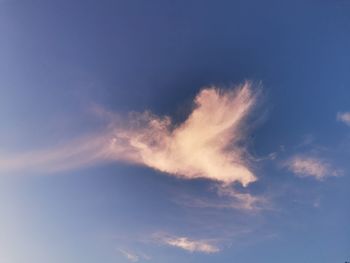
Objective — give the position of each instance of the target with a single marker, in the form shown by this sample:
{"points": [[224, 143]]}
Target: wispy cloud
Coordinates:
{"points": [[132, 257], [344, 117], [191, 245], [82, 152], [208, 144], [227, 198], [245, 201], [311, 166], [242, 201]]}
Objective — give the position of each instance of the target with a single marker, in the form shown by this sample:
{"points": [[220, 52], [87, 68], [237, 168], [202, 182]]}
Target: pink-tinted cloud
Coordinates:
{"points": [[344, 117], [191, 245], [204, 146], [227, 198], [82, 152], [310, 166], [208, 144]]}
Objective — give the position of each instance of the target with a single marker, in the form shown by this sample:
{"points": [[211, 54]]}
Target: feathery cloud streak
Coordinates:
{"points": [[208, 144], [129, 255], [191, 245], [308, 166]]}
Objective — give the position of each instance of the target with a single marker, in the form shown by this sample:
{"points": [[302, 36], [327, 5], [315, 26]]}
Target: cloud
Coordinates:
{"points": [[244, 201], [309, 166], [227, 198], [208, 144], [132, 257], [82, 152], [344, 117], [191, 245]]}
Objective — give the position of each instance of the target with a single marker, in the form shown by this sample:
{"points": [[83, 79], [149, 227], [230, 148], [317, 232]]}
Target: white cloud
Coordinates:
{"points": [[132, 257], [191, 245], [208, 144], [310, 166], [245, 201], [241, 201], [227, 198], [344, 117]]}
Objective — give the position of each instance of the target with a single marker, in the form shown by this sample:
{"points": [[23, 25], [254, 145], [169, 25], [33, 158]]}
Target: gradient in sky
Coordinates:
{"points": [[174, 131]]}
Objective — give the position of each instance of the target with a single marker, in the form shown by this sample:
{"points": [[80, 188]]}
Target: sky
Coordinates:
{"points": [[174, 131]]}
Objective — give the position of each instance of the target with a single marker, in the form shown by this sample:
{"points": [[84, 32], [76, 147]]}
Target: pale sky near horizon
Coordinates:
{"points": [[174, 131]]}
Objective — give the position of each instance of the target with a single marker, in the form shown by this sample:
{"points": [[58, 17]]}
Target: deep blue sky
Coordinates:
{"points": [[57, 58]]}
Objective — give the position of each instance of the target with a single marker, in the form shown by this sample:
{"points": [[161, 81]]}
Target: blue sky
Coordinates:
{"points": [[174, 131]]}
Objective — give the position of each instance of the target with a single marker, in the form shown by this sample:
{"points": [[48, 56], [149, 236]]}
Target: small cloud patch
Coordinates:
{"points": [[305, 166]]}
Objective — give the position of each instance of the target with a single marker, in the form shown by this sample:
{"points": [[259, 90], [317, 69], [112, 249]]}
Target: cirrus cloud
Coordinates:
{"points": [[208, 144], [132, 257], [311, 166], [344, 117], [191, 245]]}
